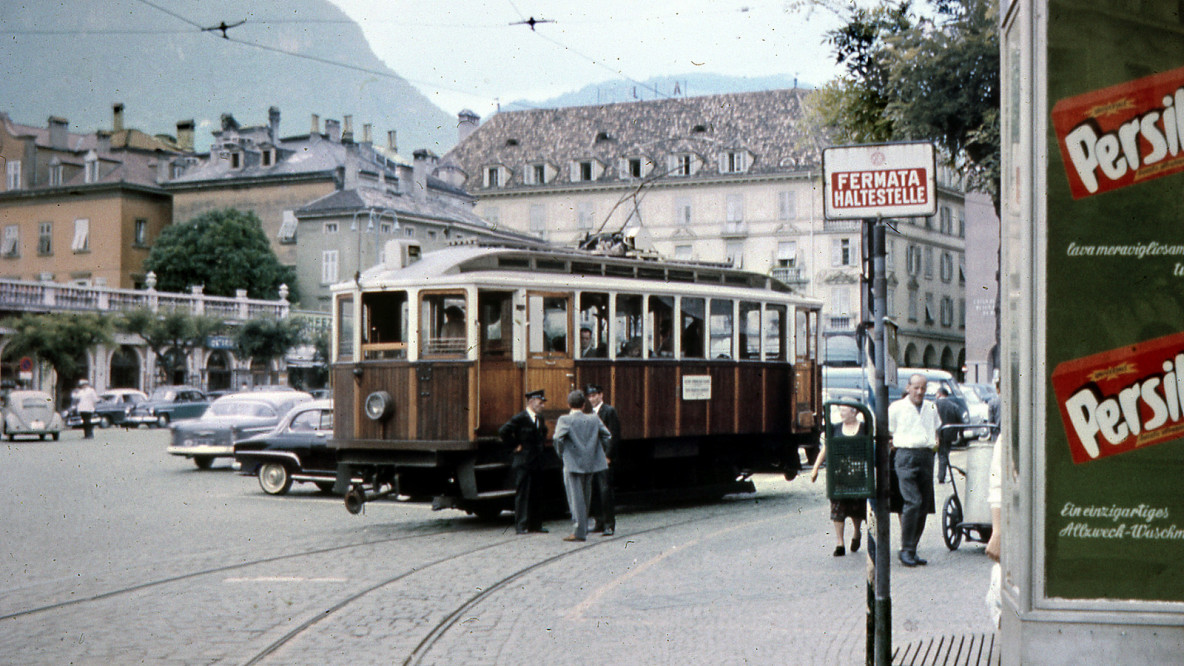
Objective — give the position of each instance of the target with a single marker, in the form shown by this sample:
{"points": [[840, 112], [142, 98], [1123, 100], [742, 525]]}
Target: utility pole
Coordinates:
{"points": [[883, 594]]}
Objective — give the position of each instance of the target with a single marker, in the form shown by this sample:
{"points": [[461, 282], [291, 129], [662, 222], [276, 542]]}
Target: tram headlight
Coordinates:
{"points": [[379, 406]]}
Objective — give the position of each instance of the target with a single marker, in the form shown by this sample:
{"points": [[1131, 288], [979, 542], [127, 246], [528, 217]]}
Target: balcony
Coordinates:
{"points": [[791, 276], [734, 229], [842, 226], [840, 323]]}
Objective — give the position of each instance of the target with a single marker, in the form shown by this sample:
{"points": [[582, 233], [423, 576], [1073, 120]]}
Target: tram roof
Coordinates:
{"points": [[473, 258]]}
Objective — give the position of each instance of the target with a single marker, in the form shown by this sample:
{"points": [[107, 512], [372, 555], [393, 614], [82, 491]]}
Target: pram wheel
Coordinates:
{"points": [[951, 523]]}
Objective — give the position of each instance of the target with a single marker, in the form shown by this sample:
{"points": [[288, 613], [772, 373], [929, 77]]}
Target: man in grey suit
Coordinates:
{"points": [[580, 439]]}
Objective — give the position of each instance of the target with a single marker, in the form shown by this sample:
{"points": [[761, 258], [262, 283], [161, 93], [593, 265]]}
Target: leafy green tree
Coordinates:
{"points": [[224, 250], [60, 339], [265, 339], [911, 77], [176, 331]]}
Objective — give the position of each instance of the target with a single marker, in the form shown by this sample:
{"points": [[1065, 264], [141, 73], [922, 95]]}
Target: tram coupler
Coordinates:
{"points": [[357, 497]]}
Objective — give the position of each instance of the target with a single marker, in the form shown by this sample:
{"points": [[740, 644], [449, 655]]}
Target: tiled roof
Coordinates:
{"points": [[767, 125], [347, 201]]}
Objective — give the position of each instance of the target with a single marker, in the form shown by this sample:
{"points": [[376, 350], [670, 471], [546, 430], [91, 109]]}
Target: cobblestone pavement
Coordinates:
{"points": [[148, 560]]}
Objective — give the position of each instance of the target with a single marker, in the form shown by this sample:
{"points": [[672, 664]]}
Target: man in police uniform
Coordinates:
{"points": [[603, 499], [525, 433]]}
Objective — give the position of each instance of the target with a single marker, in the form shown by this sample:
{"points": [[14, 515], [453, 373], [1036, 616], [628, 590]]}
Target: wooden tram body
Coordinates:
{"points": [[713, 371]]}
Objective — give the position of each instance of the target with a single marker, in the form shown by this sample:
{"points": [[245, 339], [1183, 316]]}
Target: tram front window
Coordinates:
{"points": [[721, 329], [442, 325], [660, 333], [775, 332], [551, 336], [627, 329], [494, 320], [750, 331], [593, 325], [384, 325], [693, 310]]}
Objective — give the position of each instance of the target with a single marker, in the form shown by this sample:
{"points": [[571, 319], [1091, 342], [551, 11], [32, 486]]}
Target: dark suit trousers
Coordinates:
{"points": [[914, 467], [604, 500], [526, 510]]}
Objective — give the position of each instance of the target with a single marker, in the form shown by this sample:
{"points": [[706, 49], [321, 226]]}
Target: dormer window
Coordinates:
{"points": [[583, 171], [538, 173], [90, 171], [733, 161], [55, 172], [511, 142], [267, 158], [496, 176], [236, 160], [682, 164], [603, 136]]}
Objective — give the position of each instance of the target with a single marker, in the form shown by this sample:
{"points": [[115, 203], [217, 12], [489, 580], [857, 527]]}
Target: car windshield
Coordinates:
{"points": [[972, 398], [241, 408]]}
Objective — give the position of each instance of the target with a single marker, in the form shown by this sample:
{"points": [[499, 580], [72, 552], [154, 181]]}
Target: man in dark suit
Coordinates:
{"points": [[949, 413], [525, 433], [603, 498]]}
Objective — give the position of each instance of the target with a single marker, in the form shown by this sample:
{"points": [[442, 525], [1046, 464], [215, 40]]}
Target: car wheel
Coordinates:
{"points": [[274, 479], [104, 421], [162, 421], [203, 462]]}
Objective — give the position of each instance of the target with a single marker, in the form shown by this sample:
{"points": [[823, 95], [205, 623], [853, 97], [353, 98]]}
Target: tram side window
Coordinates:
{"points": [[494, 320], [750, 330], [442, 324], [693, 310], [593, 325], [627, 327], [345, 329], [801, 335], [660, 332], [721, 329], [551, 312], [384, 325], [775, 332]]}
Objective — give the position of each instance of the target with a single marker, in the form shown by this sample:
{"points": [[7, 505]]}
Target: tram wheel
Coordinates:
{"points": [[951, 521]]}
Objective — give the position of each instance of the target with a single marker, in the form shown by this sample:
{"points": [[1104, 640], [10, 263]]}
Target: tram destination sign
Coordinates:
{"points": [[881, 180]]}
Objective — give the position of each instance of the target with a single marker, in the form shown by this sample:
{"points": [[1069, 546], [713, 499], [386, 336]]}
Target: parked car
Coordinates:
{"points": [[112, 408], [231, 419], [941, 379], [854, 383], [30, 413], [167, 404], [296, 450]]}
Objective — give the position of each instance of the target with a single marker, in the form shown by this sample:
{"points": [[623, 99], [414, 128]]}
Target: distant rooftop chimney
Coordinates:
{"points": [[273, 123], [333, 129], [366, 136], [58, 135], [316, 125], [117, 117], [392, 141], [347, 130], [423, 161], [466, 124], [185, 134]]}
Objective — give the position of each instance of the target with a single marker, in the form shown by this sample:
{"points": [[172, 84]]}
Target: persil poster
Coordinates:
{"points": [[1122, 135], [1122, 399]]}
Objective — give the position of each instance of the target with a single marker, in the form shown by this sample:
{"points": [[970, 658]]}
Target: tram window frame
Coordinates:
{"points": [[538, 343], [628, 327], [692, 311], [778, 329], [433, 322], [801, 334], [385, 325], [749, 331], [722, 328], [595, 317], [345, 328], [501, 303], [657, 345]]}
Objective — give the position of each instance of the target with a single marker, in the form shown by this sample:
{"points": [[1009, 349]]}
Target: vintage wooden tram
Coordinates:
{"points": [[714, 371]]}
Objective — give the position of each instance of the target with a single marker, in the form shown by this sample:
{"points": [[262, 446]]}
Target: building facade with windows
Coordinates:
{"points": [[81, 208], [732, 178]]}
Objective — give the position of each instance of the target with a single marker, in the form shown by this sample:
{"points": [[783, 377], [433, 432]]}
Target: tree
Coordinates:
{"points": [[224, 250], [917, 78], [60, 339], [172, 331], [264, 339]]}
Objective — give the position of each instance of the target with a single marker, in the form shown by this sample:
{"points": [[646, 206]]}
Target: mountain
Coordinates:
{"points": [[659, 87], [76, 58]]}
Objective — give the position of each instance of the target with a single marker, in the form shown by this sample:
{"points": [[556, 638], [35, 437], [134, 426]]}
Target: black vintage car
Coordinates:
{"points": [[296, 450]]}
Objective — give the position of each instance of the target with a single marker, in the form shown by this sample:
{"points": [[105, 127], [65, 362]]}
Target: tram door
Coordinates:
{"points": [[806, 389], [499, 378], [549, 344]]}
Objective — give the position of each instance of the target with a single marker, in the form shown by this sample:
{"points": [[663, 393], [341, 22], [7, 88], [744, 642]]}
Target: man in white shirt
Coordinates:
{"points": [[87, 399], [913, 424]]}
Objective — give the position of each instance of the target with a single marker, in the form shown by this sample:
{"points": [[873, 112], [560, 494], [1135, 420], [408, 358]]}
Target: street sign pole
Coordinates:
{"points": [[883, 595]]}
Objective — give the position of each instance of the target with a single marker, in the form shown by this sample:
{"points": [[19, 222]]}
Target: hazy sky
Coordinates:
{"points": [[465, 53]]}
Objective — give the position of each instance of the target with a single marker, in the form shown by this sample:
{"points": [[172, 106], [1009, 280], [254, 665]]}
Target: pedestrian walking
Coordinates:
{"points": [[603, 496], [842, 509], [87, 399], [525, 433], [580, 440], [913, 423], [950, 414]]}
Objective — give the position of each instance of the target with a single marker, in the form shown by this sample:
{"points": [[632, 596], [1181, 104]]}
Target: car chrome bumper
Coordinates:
{"points": [[209, 450]]}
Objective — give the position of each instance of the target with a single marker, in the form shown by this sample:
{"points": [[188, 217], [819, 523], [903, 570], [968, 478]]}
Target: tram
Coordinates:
{"points": [[714, 371]]}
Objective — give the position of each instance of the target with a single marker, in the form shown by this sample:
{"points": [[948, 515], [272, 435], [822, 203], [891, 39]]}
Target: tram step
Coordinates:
{"points": [[495, 494]]}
